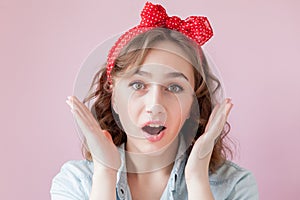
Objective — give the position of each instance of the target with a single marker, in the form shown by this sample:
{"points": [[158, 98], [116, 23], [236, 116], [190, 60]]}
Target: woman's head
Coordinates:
{"points": [[154, 101], [159, 87]]}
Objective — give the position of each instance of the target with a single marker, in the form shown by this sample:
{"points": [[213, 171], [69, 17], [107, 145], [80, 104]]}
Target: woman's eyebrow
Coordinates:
{"points": [[168, 75], [176, 75], [143, 73]]}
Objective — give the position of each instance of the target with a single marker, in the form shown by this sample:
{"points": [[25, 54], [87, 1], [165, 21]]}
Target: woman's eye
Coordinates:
{"points": [[175, 88], [137, 85]]}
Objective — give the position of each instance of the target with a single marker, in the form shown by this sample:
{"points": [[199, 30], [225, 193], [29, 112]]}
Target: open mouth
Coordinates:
{"points": [[153, 129]]}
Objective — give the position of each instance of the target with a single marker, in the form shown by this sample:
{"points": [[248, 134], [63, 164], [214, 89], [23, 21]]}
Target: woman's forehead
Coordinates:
{"points": [[166, 62]]}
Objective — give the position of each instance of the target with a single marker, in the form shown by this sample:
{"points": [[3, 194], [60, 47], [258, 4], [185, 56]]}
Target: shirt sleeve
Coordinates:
{"points": [[245, 188], [71, 183]]}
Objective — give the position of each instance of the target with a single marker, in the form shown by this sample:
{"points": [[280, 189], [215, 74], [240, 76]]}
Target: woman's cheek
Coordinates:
{"points": [[185, 104], [135, 108]]}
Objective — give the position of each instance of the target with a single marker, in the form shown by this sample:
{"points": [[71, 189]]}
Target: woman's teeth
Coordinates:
{"points": [[154, 125]]}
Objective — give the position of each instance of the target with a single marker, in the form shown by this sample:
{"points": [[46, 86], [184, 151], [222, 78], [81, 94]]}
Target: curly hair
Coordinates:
{"points": [[133, 54]]}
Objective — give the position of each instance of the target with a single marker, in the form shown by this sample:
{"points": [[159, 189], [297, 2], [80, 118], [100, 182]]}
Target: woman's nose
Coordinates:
{"points": [[154, 98], [154, 94], [155, 109]]}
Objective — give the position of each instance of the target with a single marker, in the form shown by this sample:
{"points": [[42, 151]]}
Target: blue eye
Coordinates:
{"points": [[175, 88], [137, 85]]}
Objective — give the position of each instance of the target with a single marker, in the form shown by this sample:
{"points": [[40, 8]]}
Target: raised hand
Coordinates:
{"points": [[198, 162], [104, 152]]}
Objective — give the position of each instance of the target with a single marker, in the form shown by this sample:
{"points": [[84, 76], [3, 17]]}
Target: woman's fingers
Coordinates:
{"points": [[219, 120], [211, 117], [75, 104], [84, 118], [218, 109], [99, 141], [213, 129]]}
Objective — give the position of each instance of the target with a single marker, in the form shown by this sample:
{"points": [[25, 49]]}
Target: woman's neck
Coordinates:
{"points": [[150, 162]]}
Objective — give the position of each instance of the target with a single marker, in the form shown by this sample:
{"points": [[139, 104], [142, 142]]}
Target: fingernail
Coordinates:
{"points": [[69, 103]]}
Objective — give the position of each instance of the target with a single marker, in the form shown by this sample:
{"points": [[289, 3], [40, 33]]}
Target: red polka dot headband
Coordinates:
{"points": [[196, 28]]}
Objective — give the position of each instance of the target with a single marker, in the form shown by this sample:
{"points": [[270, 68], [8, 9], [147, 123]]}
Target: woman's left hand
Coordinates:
{"points": [[196, 170]]}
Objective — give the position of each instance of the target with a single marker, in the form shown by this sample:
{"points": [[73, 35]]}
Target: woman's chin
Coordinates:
{"points": [[153, 145]]}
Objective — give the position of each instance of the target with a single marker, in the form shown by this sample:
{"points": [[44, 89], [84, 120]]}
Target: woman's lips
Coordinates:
{"points": [[154, 138], [153, 131]]}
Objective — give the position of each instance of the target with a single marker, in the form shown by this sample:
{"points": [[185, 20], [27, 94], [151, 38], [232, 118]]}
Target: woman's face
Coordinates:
{"points": [[155, 101]]}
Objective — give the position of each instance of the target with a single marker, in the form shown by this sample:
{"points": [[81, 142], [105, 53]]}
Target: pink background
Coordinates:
{"points": [[43, 43]]}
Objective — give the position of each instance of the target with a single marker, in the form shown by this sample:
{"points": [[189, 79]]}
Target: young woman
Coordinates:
{"points": [[156, 129]]}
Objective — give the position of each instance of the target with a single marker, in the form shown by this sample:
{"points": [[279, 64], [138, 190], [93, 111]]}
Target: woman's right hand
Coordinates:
{"points": [[104, 152]]}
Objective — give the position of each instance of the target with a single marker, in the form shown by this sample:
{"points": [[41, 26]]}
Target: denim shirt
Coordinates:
{"points": [[74, 182]]}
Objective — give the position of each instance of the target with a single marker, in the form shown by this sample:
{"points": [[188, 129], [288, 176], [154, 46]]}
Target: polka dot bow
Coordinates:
{"points": [[196, 28]]}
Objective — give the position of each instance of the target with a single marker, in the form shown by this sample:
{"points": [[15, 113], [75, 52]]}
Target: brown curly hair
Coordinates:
{"points": [[133, 54]]}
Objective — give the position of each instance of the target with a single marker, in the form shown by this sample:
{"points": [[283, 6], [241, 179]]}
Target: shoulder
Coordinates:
{"points": [[80, 168], [234, 182], [73, 180], [229, 172]]}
